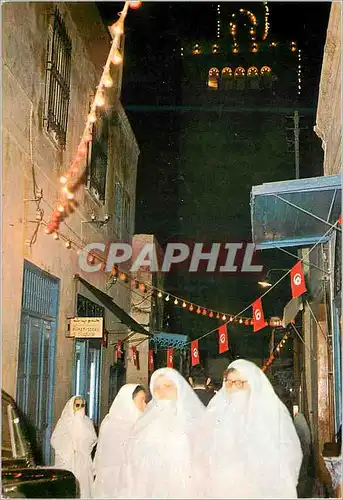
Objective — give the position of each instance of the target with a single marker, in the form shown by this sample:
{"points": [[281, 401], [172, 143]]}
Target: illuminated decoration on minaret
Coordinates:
{"points": [[266, 20], [299, 72], [218, 21]]}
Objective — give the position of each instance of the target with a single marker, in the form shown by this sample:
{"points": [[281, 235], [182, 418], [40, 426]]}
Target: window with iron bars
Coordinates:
{"points": [[57, 81], [98, 158], [122, 210]]}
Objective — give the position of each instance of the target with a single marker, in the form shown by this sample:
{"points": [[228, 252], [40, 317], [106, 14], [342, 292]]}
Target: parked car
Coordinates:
{"points": [[21, 477]]}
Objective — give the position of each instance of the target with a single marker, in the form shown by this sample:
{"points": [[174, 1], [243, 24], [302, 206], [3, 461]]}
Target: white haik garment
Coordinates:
{"points": [[73, 439], [251, 448], [114, 432], [159, 462]]}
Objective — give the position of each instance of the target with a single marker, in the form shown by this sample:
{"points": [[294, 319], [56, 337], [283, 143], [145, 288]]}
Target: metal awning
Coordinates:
{"points": [[109, 303], [162, 339], [294, 213]]}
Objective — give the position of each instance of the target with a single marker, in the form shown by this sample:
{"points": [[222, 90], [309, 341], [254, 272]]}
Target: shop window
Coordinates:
{"points": [[213, 78]]}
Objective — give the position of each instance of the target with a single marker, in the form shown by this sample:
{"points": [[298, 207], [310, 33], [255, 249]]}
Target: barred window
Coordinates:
{"points": [[127, 213], [98, 157], [57, 81]]}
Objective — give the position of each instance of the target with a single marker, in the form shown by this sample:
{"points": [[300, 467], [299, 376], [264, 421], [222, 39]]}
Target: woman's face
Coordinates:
{"points": [[79, 404], [164, 388], [234, 382], [140, 400]]}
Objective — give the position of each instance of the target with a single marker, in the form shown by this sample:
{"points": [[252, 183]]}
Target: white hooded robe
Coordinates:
{"points": [[252, 449], [159, 457], [73, 440], [113, 435]]}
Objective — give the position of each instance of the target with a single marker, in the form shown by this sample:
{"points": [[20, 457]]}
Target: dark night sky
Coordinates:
{"points": [[151, 76]]}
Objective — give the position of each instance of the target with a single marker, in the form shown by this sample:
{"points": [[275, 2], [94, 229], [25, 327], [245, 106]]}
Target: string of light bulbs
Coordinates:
{"points": [[72, 179], [275, 352]]}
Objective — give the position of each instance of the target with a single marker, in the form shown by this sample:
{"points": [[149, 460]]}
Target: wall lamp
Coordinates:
{"points": [[265, 283]]}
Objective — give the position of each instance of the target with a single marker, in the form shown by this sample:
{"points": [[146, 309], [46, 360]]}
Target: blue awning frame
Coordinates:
{"points": [[175, 340], [272, 214]]}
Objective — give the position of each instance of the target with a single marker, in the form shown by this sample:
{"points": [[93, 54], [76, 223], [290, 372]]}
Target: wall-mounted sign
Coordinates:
{"points": [[86, 328]]}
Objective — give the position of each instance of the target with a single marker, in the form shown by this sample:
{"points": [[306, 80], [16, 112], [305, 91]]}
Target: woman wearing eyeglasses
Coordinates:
{"points": [[73, 440], [253, 450], [115, 429]]}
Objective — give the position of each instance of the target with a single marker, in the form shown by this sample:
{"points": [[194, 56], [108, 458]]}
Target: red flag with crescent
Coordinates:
{"points": [[297, 280], [170, 357], [134, 356], [223, 340], [119, 350], [195, 353], [151, 360], [258, 316]]}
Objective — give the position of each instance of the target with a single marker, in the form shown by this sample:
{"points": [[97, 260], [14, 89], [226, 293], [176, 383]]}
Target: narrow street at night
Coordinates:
{"points": [[171, 249]]}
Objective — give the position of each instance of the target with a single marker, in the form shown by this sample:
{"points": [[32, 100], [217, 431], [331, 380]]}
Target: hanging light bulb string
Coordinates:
{"points": [[160, 292], [73, 178]]}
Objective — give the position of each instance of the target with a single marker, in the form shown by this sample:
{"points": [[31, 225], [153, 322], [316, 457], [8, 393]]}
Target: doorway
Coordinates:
{"points": [[36, 362], [88, 362]]}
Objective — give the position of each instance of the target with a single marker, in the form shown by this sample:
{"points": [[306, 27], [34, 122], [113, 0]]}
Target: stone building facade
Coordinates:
{"points": [[53, 57]]}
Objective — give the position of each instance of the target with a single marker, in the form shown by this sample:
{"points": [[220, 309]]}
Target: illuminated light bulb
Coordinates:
{"points": [[224, 318], [184, 304], [135, 5], [176, 302], [63, 179], [117, 57], [167, 298], [241, 321], [231, 318], [122, 276], [60, 208], [211, 314], [48, 229], [204, 312], [198, 310], [118, 27], [92, 117], [141, 287], [91, 258], [99, 99], [68, 244], [108, 82], [191, 307], [159, 295]]}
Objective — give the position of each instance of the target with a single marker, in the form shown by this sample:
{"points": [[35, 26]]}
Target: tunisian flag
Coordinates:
{"points": [[195, 353], [258, 316], [151, 360], [223, 340], [297, 280], [134, 356], [119, 351], [170, 357]]}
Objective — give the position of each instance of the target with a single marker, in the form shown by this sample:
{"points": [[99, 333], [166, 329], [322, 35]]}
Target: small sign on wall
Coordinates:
{"points": [[86, 328]]}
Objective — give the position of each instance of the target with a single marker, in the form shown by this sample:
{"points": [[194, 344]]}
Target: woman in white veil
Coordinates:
{"points": [[252, 450], [159, 462], [73, 440], [128, 405]]}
